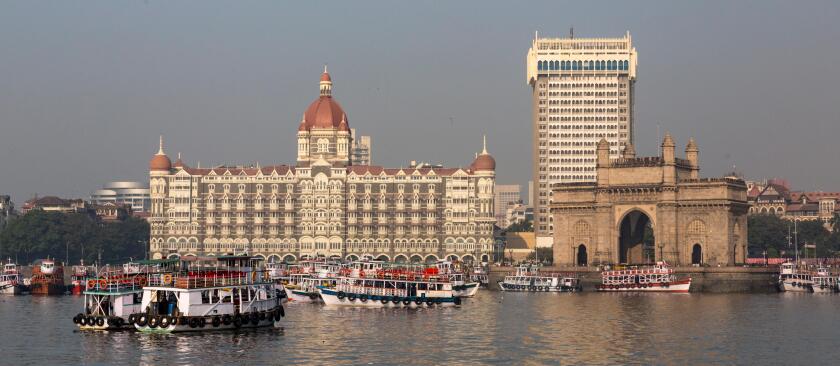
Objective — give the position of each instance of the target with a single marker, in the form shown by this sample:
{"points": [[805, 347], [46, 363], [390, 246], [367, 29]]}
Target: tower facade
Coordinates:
{"points": [[582, 91]]}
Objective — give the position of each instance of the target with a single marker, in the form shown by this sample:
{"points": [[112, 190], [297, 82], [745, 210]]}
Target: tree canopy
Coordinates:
{"points": [[770, 232], [76, 236]]}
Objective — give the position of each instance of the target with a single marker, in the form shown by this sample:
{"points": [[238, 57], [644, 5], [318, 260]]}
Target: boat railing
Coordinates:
{"points": [[209, 278], [116, 283]]}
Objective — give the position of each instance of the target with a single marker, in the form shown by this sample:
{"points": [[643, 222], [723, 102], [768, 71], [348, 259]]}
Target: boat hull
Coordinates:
{"points": [[195, 324], [465, 290], [303, 296], [681, 286], [795, 286], [823, 290], [43, 288], [331, 298], [10, 289], [90, 323], [508, 287]]}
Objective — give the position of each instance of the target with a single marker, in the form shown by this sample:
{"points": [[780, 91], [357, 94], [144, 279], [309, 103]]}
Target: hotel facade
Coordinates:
{"points": [[325, 205], [582, 91]]}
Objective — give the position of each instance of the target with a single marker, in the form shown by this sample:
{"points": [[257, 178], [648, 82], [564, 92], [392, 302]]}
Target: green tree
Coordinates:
{"points": [[766, 232], [75, 236]]}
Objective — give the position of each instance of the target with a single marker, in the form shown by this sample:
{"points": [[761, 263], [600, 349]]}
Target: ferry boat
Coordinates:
{"points": [[209, 293], [656, 278], [11, 281], [462, 285], [793, 279], [47, 279], [530, 279], [479, 274], [302, 288], [391, 288], [823, 282], [112, 296], [78, 278]]}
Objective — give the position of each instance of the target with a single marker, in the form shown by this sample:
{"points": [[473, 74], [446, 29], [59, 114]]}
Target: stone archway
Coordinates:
{"points": [[636, 244], [582, 256]]}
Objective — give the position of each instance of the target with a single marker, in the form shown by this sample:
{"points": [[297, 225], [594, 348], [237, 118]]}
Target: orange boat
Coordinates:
{"points": [[47, 279]]}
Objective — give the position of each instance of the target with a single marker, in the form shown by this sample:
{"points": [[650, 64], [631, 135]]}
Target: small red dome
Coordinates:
{"points": [[325, 76], [160, 162], [484, 162]]}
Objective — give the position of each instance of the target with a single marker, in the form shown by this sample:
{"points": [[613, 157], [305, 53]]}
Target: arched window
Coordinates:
{"points": [[557, 65], [574, 65], [614, 65], [539, 65], [626, 65]]}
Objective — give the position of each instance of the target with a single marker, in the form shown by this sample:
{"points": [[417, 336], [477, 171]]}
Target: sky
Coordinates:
{"points": [[86, 87]]}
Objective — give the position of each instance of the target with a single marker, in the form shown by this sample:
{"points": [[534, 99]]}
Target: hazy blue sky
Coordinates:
{"points": [[86, 87]]}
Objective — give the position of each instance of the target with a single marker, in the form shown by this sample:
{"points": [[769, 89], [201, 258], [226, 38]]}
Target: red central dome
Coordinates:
{"points": [[324, 112]]}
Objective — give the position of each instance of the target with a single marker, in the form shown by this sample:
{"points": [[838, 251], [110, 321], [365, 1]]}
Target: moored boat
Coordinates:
{"points": [[47, 278], [530, 279], [823, 282], [112, 295], [11, 280], [391, 288], [657, 278], [209, 293], [78, 277], [462, 285], [794, 279]]}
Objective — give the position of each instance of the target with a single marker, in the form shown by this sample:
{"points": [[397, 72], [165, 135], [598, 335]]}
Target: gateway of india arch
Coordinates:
{"points": [[646, 209]]}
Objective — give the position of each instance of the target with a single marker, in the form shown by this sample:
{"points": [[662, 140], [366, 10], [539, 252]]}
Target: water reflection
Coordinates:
{"points": [[493, 328]]}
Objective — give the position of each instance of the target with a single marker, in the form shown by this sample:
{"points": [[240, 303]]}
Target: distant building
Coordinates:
{"points": [[530, 201], [360, 149], [506, 195], [110, 211], [518, 213], [134, 194], [7, 210], [582, 92], [55, 204], [775, 197]]}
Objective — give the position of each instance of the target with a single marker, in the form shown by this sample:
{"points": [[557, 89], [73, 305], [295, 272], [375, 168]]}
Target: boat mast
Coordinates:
{"points": [[795, 242]]}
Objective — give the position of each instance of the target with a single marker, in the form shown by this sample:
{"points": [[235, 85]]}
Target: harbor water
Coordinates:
{"points": [[492, 328]]}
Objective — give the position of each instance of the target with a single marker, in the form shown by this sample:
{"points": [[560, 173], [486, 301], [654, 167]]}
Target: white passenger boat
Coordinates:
{"points": [[111, 296], [823, 282], [794, 279], [11, 280], [462, 285], [530, 279], [479, 274], [304, 288], [392, 288], [656, 278], [210, 293]]}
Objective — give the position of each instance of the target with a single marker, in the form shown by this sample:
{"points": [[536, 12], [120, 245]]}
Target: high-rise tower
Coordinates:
{"points": [[582, 91]]}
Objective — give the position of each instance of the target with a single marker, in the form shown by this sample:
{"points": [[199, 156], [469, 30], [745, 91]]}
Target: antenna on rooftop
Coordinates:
{"points": [[572, 32]]}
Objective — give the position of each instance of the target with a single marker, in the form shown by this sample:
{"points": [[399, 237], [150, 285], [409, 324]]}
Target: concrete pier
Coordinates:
{"points": [[704, 279]]}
